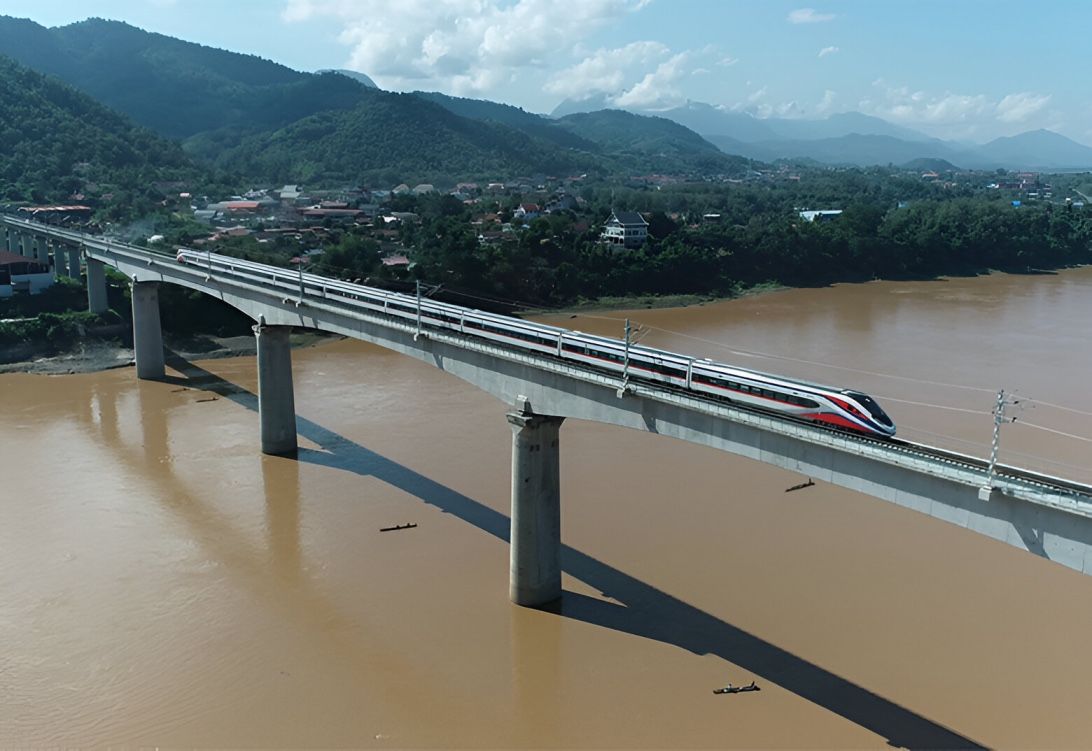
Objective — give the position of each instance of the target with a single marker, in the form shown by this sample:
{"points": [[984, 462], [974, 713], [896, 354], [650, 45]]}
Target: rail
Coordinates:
{"points": [[314, 293]]}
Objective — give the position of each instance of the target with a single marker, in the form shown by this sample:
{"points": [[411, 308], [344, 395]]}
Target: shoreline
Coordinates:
{"points": [[98, 355], [651, 302]]}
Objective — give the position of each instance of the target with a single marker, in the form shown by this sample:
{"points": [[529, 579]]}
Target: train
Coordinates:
{"points": [[840, 408]]}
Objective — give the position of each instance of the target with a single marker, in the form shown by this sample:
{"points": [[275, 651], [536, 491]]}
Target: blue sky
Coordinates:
{"points": [[963, 69]]}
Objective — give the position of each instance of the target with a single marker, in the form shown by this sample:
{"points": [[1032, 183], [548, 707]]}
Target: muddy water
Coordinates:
{"points": [[162, 583]]}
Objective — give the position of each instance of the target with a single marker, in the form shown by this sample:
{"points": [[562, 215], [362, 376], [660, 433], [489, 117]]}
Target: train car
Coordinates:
{"points": [[644, 362], [840, 408], [844, 409]]}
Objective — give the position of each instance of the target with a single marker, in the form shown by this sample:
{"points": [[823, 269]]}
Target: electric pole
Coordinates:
{"points": [[998, 418]]}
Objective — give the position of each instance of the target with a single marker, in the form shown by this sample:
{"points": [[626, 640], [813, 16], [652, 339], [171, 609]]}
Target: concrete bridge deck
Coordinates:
{"points": [[1048, 516]]}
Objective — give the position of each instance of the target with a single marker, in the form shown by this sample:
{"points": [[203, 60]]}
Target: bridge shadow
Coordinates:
{"points": [[647, 611]]}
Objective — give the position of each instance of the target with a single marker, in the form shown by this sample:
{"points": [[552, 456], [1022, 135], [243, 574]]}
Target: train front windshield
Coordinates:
{"points": [[870, 404]]}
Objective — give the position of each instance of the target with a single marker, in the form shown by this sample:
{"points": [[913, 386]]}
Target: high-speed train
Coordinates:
{"points": [[840, 408]]}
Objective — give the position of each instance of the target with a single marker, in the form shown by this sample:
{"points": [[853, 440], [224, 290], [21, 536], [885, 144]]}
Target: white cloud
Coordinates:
{"points": [[809, 15], [826, 104], [827, 51], [902, 105], [958, 115], [658, 88], [757, 105], [1016, 108], [640, 75], [465, 45], [605, 71]]}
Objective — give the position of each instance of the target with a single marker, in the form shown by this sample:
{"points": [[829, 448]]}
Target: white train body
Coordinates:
{"points": [[840, 408]]}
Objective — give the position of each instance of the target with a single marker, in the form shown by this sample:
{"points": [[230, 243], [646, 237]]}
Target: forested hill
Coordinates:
{"points": [[398, 138], [651, 144], [269, 122], [56, 141], [506, 114], [174, 87]]}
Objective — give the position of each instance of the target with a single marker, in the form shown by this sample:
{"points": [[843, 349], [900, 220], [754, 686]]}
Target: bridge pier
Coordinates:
{"points": [[147, 332], [74, 261], [96, 286], [7, 238], [276, 400], [41, 250], [535, 571], [60, 262]]}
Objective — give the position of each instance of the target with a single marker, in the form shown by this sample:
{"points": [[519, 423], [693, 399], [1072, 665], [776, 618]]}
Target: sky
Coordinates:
{"points": [[968, 70]]}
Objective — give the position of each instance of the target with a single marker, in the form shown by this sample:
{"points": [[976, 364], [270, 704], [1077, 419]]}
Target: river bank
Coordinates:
{"points": [[92, 354]]}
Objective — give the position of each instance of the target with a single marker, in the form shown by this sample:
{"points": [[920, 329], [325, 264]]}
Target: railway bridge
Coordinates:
{"points": [[1048, 516]]}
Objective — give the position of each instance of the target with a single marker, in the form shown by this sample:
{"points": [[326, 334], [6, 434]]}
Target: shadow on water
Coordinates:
{"points": [[647, 611]]}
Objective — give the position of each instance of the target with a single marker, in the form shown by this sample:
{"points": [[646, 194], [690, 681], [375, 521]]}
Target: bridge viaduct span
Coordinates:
{"points": [[1048, 516]]}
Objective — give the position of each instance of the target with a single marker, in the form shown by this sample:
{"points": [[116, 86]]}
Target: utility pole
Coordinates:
{"points": [[300, 267], [418, 334], [625, 361], [995, 448]]}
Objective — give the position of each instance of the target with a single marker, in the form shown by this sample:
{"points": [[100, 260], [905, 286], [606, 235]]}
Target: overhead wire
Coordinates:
{"points": [[750, 353]]}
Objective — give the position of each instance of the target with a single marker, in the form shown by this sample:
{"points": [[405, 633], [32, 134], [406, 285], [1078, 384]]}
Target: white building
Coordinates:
{"points": [[626, 228], [824, 215], [22, 274]]}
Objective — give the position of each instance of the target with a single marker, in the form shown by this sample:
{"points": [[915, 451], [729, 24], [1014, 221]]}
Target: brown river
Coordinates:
{"points": [[162, 583]]}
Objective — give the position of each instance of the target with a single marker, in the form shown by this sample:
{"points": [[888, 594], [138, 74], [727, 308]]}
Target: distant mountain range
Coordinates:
{"points": [[262, 119], [853, 138]]}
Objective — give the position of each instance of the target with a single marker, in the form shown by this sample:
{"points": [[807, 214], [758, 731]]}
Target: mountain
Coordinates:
{"points": [[854, 149], [649, 143], [926, 164], [506, 114], [174, 87], [397, 138], [852, 138], [1037, 149], [588, 104], [358, 77], [842, 124], [55, 141]]}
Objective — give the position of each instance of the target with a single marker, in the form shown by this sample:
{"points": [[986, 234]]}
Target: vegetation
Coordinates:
{"points": [[757, 238], [55, 142]]}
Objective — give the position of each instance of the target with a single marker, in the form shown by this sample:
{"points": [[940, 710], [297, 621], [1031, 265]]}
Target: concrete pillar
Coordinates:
{"points": [[276, 401], [96, 286], [74, 261], [41, 251], [535, 574], [147, 334], [17, 243], [7, 238], [60, 262]]}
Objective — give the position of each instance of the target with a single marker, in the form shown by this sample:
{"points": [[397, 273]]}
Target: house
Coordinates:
{"points": [[22, 274], [626, 228], [527, 212], [423, 189], [561, 202]]}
